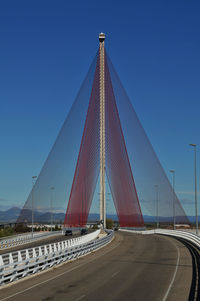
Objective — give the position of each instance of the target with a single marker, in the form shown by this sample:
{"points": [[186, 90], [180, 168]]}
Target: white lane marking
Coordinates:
{"points": [[57, 276], [81, 297], [113, 275], [174, 276]]}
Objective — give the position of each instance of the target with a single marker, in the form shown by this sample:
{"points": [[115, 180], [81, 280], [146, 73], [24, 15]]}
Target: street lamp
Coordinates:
{"points": [[157, 219], [52, 188], [173, 184], [195, 186], [33, 183]]}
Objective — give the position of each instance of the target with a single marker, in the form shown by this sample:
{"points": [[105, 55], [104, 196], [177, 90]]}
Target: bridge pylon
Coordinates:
{"points": [[102, 131]]}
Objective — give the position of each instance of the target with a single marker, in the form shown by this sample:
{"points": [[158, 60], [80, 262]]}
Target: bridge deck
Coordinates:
{"points": [[132, 267]]}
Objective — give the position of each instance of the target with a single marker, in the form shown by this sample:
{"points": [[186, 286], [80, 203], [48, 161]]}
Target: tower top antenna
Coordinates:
{"points": [[101, 37]]}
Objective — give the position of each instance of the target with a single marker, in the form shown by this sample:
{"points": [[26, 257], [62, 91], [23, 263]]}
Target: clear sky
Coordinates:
{"points": [[46, 48]]}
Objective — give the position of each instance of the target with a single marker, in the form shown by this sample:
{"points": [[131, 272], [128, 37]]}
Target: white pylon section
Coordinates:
{"points": [[102, 133]]}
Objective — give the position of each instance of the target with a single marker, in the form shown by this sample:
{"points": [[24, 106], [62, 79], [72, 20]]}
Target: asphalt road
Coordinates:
{"points": [[132, 267]]}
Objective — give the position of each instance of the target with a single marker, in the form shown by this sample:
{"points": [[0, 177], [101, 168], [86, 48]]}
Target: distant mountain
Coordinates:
{"points": [[9, 215], [12, 214]]}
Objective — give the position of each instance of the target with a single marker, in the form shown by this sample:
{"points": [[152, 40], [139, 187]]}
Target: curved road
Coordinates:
{"points": [[132, 267]]}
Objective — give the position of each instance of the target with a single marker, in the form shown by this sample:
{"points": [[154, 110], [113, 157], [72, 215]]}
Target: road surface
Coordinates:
{"points": [[132, 267]]}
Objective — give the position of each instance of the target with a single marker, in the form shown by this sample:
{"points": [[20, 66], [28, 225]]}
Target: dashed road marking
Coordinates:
{"points": [[80, 298], [113, 275]]}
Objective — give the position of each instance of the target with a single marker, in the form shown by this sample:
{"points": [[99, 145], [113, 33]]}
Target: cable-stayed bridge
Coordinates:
{"points": [[102, 141]]}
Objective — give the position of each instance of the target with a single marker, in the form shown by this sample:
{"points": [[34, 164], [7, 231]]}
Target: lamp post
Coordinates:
{"points": [[173, 185], [157, 219], [33, 183], [52, 188], [195, 187]]}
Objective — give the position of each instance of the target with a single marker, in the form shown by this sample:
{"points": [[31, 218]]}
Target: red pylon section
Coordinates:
{"points": [[118, 167]]}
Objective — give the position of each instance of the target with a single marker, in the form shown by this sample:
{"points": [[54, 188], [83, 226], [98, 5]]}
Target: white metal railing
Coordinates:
{"points": [[195, 239], [21, 263], [22, 239]]}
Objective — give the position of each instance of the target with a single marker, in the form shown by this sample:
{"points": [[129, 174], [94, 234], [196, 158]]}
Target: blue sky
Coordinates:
{"points": [[46, 48]]}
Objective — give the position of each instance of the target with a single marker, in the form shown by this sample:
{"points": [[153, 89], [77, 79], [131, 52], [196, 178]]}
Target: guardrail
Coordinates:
{"points": [[195, 239], [22, 239], [19, 264]]}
